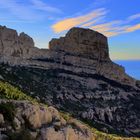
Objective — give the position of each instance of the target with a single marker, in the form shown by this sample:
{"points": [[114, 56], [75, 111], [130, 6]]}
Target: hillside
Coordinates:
{"points": [[75, 75], [15, 103]]}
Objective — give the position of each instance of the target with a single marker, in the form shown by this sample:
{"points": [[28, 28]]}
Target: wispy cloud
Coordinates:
{"points": [[133, 28], [40, 5], [94, 20], [106, 26], [90, 23], [100, 2], [19, 10], [112, 28], [79, 20], [133, 17], [28, 10], [15, 21]]}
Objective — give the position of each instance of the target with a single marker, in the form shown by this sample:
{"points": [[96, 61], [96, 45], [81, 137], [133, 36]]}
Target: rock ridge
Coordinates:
{"points": [[80, 50]]}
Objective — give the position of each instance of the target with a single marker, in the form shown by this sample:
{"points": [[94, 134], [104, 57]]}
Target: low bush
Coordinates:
{"points": [[8, 110], [22, 135], [7, 91]]}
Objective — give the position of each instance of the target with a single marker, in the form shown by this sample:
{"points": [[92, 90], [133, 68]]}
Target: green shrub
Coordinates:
{"points": [[22, 135], [66, 116], [8, 111], [7, 91]]}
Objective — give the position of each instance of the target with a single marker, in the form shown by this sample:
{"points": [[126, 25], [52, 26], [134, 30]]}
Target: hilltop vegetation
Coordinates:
{"points": [[7, 91]]}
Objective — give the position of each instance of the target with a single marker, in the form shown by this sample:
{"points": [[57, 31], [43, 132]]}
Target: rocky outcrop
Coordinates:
{"points": [[89, 50], [40, 122], [76, 75], [83, 43], [14, 45], [81, 50]]}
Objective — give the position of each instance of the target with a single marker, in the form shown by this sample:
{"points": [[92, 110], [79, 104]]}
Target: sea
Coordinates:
{"points": [[132, 67]]}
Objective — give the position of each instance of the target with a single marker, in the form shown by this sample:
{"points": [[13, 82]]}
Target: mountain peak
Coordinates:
{"points": [[84, 43]]}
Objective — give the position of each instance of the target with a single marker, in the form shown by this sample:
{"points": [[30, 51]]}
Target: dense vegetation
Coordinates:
{"points": [[7, 91], [8, 111]]}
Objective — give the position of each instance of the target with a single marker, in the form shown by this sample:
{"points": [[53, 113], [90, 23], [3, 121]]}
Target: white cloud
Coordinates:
{"points": [[15, 21], [27, 11], [133, 17], [100, 2], [20, 10], [40, 5]]}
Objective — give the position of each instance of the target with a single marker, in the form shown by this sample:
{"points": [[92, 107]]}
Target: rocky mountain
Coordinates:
{"points": [[81, 50], [75, 75]]}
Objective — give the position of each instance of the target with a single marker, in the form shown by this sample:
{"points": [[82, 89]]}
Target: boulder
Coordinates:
{"points": [[1, 119], [17, 123], [67, 133]]}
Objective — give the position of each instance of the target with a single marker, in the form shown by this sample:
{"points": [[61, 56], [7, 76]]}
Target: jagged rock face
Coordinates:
{"points": [[13, 45], [25, 40], [40, 123], [84, 43], [81, 50]]}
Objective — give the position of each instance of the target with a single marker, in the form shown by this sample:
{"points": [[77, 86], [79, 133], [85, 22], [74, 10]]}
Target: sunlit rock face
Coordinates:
{"points": [[81, 50], [88, 50], [77, 75], [41, 123], [83, 43], [12, 44]]}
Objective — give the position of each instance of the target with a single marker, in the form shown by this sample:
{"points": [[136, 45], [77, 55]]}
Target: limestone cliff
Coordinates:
{"points": [[81, 50], [83, 43], [76, 75], [13, 45]]}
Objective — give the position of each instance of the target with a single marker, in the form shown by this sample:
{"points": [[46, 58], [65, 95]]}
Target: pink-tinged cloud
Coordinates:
{"points": [[94, 19], [76, 21], [105, 27], [133, 28], [109, 29]]}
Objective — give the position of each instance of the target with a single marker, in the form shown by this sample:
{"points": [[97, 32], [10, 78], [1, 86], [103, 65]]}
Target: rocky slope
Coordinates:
{"points": [[75, 75], [32, 121], [24, 118]]}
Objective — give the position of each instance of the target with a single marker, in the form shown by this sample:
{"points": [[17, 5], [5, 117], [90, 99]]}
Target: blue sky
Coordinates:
{"points": [[46, 19]]}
